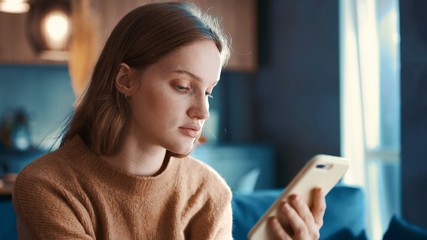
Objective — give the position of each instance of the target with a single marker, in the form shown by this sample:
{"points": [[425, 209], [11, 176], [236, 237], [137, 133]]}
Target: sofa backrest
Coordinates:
{"points": [[344, 217]]}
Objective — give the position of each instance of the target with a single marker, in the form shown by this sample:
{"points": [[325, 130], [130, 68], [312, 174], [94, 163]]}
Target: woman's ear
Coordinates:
{"points": [[124, 82]]}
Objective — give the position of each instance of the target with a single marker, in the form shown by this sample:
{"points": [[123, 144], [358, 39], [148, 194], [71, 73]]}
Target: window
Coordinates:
{"points": [[370, 105]]}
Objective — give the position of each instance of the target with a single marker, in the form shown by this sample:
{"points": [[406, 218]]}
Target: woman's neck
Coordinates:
{"points": [[138, 159]]}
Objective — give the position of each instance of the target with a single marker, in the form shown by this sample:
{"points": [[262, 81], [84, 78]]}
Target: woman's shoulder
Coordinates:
{"points": [[200, 172], [47, 168], [55, 164], [199, 168], [202, 186], [55, 168]]}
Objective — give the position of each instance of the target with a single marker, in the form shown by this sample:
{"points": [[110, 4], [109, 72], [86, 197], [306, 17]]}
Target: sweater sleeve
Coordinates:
{"points": [[43, 211], [214, 219]]}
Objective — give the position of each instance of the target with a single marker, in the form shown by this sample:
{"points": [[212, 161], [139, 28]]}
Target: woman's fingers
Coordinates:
{"points": [[303, 211], [319, 206], [300, 219], [304, 222], [278, 232]]}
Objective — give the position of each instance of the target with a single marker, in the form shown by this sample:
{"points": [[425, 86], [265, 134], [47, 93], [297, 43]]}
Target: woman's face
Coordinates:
{"points": [[171, 104]]}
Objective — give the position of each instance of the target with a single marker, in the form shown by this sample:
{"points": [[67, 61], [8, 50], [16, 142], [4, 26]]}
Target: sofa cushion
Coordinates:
{"points": [[401, 229], [344, 217]]}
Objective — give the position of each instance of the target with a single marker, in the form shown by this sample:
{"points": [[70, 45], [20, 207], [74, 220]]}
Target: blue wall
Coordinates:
{"points": [[413, 32], [297, 88], [43, 91], [292, 102]]}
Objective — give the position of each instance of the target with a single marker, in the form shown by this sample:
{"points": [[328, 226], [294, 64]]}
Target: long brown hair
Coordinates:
{"points": [[141, 38]]}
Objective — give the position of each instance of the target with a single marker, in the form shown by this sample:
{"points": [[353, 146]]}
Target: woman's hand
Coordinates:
{"points": [[304, 223]]}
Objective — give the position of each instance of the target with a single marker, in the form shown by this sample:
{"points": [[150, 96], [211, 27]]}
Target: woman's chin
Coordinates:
{"points": [[182, 149]]}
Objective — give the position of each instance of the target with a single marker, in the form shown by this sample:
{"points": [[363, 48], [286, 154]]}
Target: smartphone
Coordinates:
{"points": [[322, 171]]}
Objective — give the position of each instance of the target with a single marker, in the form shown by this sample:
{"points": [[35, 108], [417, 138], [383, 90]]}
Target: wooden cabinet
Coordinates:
{"points": [[239, 19]]}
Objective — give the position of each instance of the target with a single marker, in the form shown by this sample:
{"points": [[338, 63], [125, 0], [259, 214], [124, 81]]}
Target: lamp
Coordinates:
{"points": [[49, 28], [14, 6]]}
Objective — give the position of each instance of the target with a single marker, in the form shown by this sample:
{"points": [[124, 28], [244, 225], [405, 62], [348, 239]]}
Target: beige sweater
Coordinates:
{"points": [[72, 194]]}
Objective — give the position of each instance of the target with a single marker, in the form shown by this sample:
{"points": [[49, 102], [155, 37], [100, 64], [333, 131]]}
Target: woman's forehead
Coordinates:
{"points": [[200, 60]]}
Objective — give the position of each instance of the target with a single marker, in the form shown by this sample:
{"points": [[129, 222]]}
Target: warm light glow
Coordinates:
{"points": [[56, 28], [14, 6]]}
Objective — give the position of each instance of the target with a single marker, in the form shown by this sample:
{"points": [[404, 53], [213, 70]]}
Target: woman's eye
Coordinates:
{"points": [[182, 88]]}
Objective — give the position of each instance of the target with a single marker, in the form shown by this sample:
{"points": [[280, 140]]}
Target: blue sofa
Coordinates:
{"points": [[344, 217]]}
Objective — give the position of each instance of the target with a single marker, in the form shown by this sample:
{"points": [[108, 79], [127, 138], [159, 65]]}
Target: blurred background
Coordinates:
{"points": [[336, 77]]}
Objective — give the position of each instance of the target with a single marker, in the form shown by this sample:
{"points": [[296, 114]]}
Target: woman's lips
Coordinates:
{"points": [[189, 132]]}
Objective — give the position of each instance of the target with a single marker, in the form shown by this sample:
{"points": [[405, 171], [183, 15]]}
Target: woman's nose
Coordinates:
{"points": [[199, 109]]}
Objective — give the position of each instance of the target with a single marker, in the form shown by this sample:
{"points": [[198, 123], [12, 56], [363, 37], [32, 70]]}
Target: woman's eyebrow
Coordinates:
{"points": [[185, 72]]}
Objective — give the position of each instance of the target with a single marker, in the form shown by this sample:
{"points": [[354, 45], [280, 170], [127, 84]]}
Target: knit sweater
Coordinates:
{"points": [[73, 194]]}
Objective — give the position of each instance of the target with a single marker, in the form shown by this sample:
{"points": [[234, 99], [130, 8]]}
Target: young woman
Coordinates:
{"points": [[123, 170]]}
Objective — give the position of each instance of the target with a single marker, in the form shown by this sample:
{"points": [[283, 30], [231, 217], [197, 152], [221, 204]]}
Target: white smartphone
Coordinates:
{"points": [[322, 171]]}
